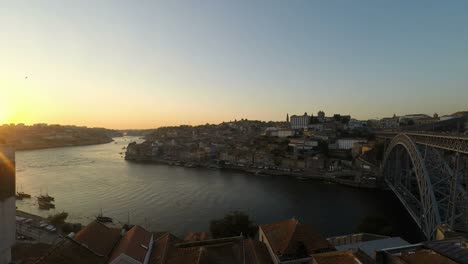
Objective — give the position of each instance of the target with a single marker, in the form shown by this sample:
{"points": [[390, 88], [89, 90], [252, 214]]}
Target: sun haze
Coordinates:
{"points": [[126, 64]]}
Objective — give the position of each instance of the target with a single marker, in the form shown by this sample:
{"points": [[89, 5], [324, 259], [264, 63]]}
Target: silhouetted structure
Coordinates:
{"points": [[7, 202]]}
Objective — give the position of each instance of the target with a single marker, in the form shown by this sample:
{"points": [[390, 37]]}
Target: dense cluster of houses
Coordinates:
{"points": [[288, 241], [244, 143], [273, 144]]}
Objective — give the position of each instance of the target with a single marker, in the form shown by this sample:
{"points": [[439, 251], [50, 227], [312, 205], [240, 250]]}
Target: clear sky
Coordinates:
{"points": [[142, 64]]}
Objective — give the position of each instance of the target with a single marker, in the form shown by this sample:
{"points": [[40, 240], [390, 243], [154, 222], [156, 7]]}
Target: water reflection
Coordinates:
{"points": [[86, 179]]}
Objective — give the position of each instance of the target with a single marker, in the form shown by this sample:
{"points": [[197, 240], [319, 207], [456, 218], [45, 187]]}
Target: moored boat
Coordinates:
{"points": [[44, 205], [104, 219], [46, 198], [23, 195]]}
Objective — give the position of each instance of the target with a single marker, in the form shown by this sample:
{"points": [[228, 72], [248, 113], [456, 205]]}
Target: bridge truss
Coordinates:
{"points": [[429, 179]]}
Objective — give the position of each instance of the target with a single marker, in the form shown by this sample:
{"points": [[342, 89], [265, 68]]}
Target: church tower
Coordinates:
{"points": [[287, 118], [7, 202]]}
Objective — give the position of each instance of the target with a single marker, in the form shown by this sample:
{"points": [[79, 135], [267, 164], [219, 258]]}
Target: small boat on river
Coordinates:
{"points": [[45, 198], [44, 205], [21, 195], [104, 219]]}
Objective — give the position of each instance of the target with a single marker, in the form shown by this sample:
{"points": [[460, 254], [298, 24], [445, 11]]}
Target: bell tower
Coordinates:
{"points": [[7, 202]]}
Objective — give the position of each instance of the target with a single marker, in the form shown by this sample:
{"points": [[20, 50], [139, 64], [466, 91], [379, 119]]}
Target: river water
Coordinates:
{"points": [[85, 180]]}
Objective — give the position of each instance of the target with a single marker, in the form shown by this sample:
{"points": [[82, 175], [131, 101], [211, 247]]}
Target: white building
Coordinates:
{"points": [[7, 203], [269, 131], [446, 117], [303, 145], [279, 132], [414, 118], [285, 133], [315, 127], [347, 143], [389, 123], [356, 124], [300, 122]]}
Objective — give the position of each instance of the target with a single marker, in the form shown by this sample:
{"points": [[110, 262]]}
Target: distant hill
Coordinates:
{"points": [[51, 136]]}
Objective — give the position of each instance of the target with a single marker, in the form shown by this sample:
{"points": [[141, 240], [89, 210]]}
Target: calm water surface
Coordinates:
{"points": [[86, 179]]}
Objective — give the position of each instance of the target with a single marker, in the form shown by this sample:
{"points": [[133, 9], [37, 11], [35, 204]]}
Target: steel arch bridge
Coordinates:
{"points": [[428, 175]]}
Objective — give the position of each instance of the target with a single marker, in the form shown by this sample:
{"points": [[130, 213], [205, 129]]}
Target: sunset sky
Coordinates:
{"points": [[144, 64]]}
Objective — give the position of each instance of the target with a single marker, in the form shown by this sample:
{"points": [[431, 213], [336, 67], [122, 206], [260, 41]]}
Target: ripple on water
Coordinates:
{"points": [[85, 180]]}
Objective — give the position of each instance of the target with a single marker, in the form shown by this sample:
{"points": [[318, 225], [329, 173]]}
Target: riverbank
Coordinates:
{"points": [[34, 227], [86, 180], [29, 215], [309, 174], [55, 144]]}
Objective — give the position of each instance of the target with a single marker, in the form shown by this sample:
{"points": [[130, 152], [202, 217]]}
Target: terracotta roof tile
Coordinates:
{"points": [[99, 238], [286, 238], [228, 253], [168, 250], [69, 251], [134, 244], [182, 255], [161, 246], [29, 253], [342, 257], [256, 252]]}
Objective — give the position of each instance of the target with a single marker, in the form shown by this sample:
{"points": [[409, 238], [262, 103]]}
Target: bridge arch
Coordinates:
{"points": [[423, 207]]}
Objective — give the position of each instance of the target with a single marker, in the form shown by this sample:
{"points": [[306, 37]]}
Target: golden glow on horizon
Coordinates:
{"points": [[14, 104], [170, 64], [5, 113]]}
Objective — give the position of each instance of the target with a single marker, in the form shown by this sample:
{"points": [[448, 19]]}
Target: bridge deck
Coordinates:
{"points": [[457, 143]]}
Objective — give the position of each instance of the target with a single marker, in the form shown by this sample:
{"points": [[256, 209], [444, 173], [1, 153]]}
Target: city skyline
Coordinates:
{"points": [[124, 65], [288, 116]]}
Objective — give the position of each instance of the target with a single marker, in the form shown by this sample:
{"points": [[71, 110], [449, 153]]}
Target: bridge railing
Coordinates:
{"points": [[457, 143]]}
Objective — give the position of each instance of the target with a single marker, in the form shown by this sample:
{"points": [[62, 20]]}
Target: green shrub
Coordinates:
{"points": [[233, 224], [58, 219]]}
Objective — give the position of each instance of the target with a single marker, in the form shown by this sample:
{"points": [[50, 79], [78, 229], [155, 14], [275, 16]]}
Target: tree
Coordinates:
{"points": [[313, 119], [58, 219], [323, 147], [345, 119], [379, 148], [337, 117], [233, 224]]}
